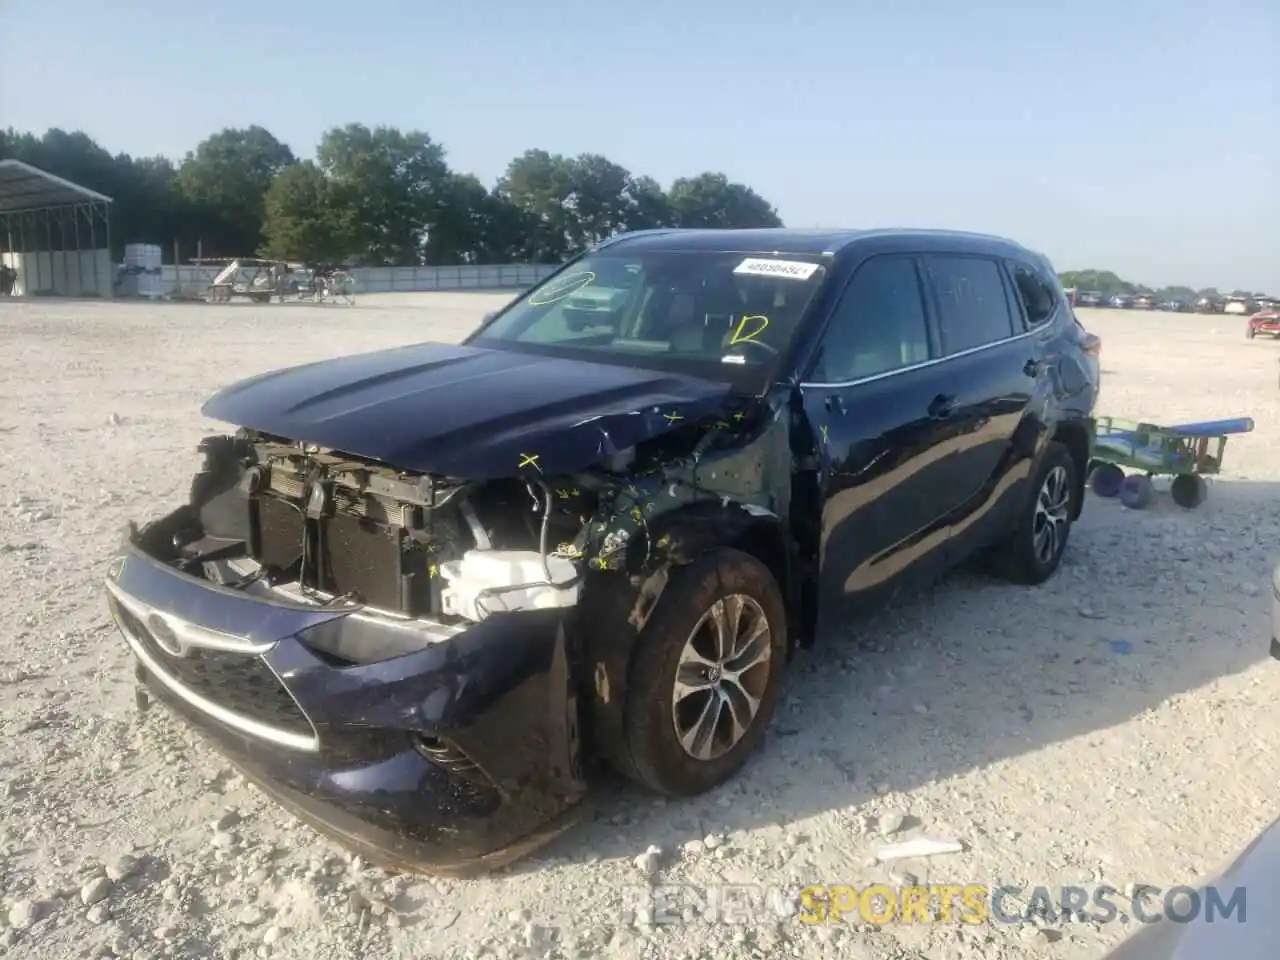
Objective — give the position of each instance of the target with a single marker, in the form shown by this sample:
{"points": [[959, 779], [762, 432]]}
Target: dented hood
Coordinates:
{"points": [[468, 412]]}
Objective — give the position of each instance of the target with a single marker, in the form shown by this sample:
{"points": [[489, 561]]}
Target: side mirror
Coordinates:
{"points": [[487, 317]]}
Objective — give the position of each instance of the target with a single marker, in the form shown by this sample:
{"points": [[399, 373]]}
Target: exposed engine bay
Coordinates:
{"points": [[313, 525], [339, 528]]}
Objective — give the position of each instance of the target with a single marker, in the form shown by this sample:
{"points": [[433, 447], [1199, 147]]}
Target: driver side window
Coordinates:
{"points": [[878, 326]]}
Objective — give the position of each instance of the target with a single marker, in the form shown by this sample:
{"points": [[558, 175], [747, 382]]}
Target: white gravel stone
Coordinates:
{"points": [[95, 890], [24, 913]]}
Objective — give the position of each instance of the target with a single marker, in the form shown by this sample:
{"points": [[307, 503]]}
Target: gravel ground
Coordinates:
{"points": [[1116, 725]]}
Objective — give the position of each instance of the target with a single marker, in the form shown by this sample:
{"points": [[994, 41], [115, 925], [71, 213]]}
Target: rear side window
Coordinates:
{"points": [[973, 308], [1038, 298], [879, 324]]}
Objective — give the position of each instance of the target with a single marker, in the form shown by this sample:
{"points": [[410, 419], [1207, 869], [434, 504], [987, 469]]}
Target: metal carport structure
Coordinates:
{"points": [[45, 223]]}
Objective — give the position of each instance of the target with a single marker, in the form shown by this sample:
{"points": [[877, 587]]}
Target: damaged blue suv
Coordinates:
{"points": [[421, 595]]}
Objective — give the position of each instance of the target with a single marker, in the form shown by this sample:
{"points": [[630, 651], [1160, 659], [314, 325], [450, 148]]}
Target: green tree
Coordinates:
{"points": [[225, 182], [378, 196], [1186, 294], [540, 186], [600, 199], [304, 219], [1100, 281], [396, 184], [649, 203], [711, 200], [477, 225]]}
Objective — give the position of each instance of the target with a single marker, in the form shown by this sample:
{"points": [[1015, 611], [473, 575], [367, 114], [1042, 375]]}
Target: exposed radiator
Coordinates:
{"points": [[379, 563]]}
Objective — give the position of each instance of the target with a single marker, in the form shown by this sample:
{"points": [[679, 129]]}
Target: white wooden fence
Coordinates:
{"points": [[506, 276]]}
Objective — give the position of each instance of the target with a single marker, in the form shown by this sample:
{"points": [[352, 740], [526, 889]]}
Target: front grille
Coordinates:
{"points": [[245, 685], [356, 556]]}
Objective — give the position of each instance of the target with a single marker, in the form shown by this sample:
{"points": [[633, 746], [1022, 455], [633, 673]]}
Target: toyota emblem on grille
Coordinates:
{"points": [[164, 636]]}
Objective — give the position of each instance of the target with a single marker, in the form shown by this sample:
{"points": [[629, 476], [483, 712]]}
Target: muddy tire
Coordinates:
{"points": [[705, 674], [1031, 553]]}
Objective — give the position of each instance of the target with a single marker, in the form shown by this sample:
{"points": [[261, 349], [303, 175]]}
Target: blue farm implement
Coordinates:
{"points": [[1187, 452]]}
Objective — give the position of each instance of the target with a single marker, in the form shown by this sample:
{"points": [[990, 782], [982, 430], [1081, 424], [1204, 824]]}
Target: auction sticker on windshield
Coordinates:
{"points": [[791, 269]]}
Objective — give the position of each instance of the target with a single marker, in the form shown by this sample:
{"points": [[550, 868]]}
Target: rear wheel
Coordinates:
{"points": [[1249, 332], [1136, 492], [1105, 480], [1033, 550], [1188, 490], [706, 673]]}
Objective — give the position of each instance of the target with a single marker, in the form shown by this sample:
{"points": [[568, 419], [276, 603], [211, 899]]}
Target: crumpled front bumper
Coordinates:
{"points": [[441, 755]]}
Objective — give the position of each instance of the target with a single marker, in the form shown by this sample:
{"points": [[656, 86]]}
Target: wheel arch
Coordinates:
{"points": [[683, 535], [625, 600], [1076, 436]]}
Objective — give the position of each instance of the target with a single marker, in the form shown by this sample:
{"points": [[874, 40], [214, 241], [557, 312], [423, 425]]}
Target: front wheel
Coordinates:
{"points": [[1033, 550], [705, 675]]}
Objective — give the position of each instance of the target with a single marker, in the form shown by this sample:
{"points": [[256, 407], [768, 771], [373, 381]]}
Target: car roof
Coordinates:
{"points": [[813, 242]]}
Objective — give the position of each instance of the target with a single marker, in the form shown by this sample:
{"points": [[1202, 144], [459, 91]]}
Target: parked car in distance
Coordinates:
{"points": [[1175, 306], [1121, 301], [1208, 305], [1239, 306], [1145, 302], [1089, 298], [423, 595], [1265, 322]]}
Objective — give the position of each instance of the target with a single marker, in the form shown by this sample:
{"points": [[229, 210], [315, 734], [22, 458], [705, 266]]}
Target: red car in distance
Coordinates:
{"points": [[1264, 321]]}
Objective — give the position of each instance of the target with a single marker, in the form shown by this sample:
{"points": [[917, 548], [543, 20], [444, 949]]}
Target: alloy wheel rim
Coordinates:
{"points": [[721, 677], [1053, 504]]}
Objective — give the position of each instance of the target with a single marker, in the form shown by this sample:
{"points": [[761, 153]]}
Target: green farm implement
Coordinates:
{"points": [[1187, 452]]}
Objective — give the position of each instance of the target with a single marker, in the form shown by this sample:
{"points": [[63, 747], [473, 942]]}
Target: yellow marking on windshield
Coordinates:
{"points": [[560, 289], [672, 417], [529, 460], [825, 438], [742, 335]]}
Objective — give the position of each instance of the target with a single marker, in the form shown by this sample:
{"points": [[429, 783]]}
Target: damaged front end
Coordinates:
{"points": [[420, 665]]}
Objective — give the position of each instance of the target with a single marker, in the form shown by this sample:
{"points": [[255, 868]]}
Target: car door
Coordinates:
{"points": [[880, 446], [988, 374]]}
